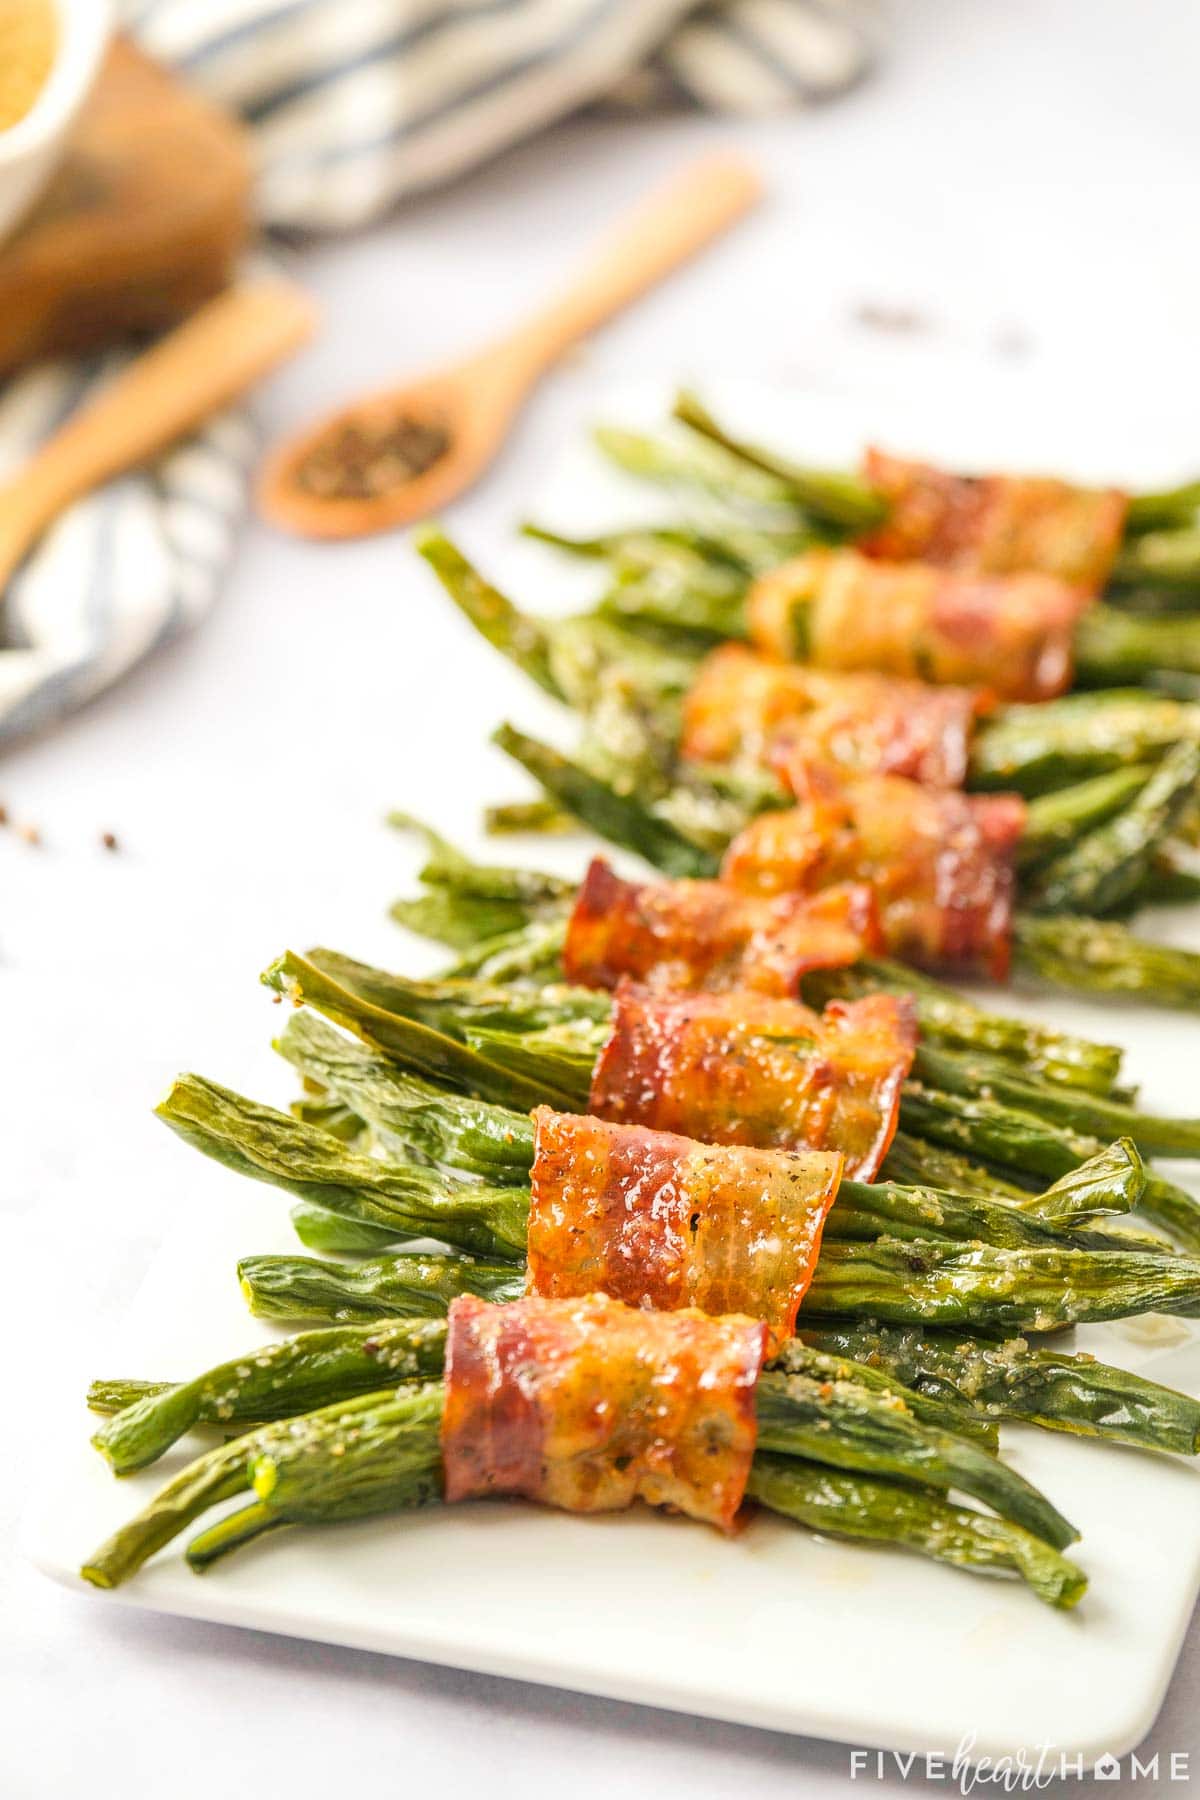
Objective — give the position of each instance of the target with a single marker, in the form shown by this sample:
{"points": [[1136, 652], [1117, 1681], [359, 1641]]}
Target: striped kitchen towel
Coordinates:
{"points": [[352, 105], [122, 571], [355, 103]]}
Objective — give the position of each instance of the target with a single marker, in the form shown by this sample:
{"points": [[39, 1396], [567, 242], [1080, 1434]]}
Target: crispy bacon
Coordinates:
{"points": [[745, 705], [703, 934], [741, 1068], [588, 1405], [941, 864], [1011, 635], [996, 524], [659, 1220]]}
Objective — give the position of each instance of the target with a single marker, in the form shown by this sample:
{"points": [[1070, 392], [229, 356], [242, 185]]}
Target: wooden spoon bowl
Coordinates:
{"points": [[474, 402], [471, 405]]}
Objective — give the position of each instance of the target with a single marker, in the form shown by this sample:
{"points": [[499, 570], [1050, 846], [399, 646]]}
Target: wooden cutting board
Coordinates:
{"points": [[140, 224]]}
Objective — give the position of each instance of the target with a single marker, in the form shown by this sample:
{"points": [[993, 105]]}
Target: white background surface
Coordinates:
{"points": [[1024, 173]]}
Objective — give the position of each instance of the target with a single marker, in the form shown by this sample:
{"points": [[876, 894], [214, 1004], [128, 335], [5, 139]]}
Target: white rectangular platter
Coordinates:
{"points": [[773, 1628]]}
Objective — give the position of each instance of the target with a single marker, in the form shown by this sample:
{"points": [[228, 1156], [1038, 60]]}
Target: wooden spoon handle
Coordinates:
{"points": [[191, 373], [662, 232]]}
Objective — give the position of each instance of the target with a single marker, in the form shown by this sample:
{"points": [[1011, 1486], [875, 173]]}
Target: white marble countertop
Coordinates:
{"points": [[1022, 179]]}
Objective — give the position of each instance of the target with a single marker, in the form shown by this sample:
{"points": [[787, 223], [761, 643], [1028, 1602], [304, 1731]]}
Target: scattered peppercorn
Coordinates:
{"points": [[3, 815], [29, 834], [109, 840], [900, 319]]}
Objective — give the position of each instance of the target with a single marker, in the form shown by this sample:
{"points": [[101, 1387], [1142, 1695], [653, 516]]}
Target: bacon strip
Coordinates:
{"points": [[742, 705], [996, 524], [589, 1405], [659, 1220], [748, 1069], [941, 864], [1011, 635], [694, 934]]}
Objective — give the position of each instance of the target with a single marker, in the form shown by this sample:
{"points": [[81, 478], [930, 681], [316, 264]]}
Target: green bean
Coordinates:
{"points": [[914, 1160], [1020, 1140], [410, 1201], [470, 900], [564, 1062], [1094, 1114], [837, 497], [1086, 1207], [704, 567], [1073, 1212], [1156, 511], [460, 921], [455, 1006], [1174, 1209], [1108, 865], [621, 818], [704, 466], [523, 640], [979, 1126], [1056, 821], [230, 1533], [605, 546], [331, 1234], [867, 1211], [1162, 558], [1114, 648], [1171, 880], [385, 1287], [406, 1112], [1046, 1387], [294, 1375], [533, 954], [838, 1504], [1100, 956], [673, 610], [1112, 1179], [447, 866], [853, 1427], [983, 1287], [1037, 748], [328, 1115], [953, 1414], [387, 1455], [512, 817], [411, 1042], [112, 1395], [376, 1454], [949, 1018], [202, 1484], [685, 551]]}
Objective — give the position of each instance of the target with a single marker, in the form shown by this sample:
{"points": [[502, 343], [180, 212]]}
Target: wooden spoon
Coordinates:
{"points": [[181, 380], [472, 404]]}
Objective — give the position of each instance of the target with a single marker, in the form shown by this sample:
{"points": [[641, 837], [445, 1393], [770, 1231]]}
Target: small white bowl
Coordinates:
{"points": [[30, 148]]}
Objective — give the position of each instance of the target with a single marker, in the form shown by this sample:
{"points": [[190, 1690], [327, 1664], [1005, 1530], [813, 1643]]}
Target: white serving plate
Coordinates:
{"points": [[774, 1628]]}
